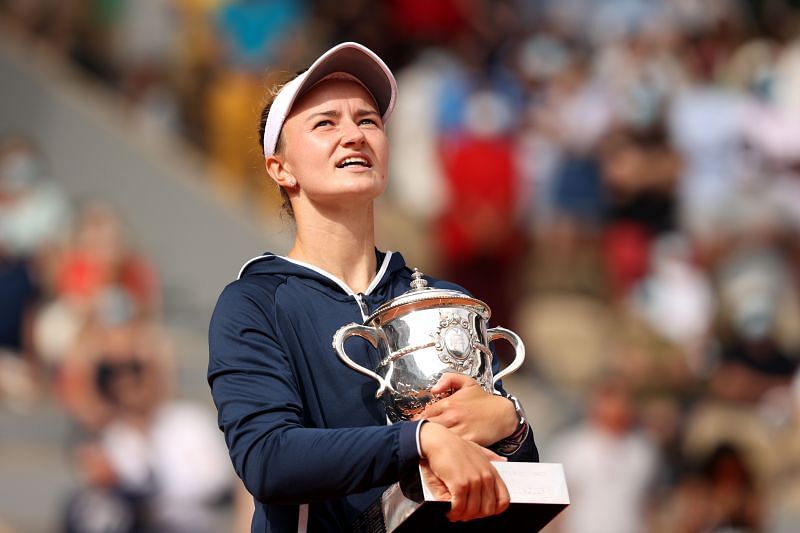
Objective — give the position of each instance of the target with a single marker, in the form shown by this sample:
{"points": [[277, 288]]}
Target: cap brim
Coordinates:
{"points": [[350, 58]]}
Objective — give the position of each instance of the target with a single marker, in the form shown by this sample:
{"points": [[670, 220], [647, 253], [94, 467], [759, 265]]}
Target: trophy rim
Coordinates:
{"points": [[427, 298]]}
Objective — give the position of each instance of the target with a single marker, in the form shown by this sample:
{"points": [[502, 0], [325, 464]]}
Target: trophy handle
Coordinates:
{"points": [[519, 349], [368, 333]]}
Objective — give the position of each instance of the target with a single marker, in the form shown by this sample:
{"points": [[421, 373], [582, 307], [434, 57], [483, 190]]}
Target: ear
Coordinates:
{"points": [[278, 171]]}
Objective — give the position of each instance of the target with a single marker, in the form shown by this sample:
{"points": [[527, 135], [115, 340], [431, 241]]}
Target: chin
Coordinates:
{"points": [[355, 196], [372, 185]]}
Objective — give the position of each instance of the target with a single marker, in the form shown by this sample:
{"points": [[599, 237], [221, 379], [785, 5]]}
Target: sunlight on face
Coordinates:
{"points": [[335, 146]]}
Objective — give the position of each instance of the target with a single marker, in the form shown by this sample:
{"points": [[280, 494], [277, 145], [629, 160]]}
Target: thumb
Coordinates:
{"points": [[436, 485], [490, 455]]}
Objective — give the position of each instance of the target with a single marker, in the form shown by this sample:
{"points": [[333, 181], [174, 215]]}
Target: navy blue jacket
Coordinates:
{"points": [[301, 427]]}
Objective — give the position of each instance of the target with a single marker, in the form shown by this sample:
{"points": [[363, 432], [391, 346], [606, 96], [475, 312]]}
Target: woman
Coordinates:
{"points": [[305, 432]]}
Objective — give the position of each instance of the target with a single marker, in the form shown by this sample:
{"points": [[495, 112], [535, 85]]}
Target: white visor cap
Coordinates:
{"points": [[349, 58]]}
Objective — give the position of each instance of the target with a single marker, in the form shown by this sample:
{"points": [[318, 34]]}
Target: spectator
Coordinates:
{"points": [[717, 495], [161, 461], [676, 301], [249, 35], [639, 171], [100, 273], [479, 237], [102, 257], [754, 287], [18, 361], [606, 447], [33, 213]]}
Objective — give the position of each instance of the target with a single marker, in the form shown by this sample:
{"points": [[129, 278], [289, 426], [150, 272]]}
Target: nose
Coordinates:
{"points": [[351, 133]]}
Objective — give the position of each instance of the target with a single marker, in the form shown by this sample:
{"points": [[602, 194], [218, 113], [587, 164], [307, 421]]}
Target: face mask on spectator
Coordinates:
{"points": [[18, 171]]}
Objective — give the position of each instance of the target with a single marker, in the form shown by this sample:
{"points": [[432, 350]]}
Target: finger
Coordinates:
{"points": [[489, 494], [436, 485], [502, 497], [457, 504], [490, 455], [476, 497], [470, 503], [450, 382], [433, 409]]}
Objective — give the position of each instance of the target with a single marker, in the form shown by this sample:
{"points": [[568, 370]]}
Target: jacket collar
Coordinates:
{"points": [[268, 263]]}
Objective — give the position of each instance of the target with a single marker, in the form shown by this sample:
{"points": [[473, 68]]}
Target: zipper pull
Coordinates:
{"points": [[362, 304]]}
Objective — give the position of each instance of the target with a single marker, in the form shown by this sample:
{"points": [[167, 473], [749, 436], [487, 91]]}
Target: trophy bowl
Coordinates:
{"points": [[421, 335]]}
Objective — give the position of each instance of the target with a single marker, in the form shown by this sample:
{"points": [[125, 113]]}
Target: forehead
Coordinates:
{"points": [[330, 92]]}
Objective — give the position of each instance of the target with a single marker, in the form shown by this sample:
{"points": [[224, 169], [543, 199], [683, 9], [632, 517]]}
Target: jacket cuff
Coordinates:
{"points": [[409, 442]]}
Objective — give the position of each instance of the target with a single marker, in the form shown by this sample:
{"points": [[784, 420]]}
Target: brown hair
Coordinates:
{"points": [[286, 205]]}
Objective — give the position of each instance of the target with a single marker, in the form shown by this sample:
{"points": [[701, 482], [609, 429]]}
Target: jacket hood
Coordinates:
{"points": [[271, 264]]}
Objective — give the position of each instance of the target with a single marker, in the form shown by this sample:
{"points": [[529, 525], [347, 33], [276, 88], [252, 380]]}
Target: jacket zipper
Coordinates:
{"points": [[362, 305]]}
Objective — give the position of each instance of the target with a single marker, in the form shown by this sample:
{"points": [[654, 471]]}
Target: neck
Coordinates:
{"points": [[342, 243]]}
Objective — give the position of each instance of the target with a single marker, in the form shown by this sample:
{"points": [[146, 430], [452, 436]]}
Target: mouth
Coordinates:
{"points": [[354, 161]]}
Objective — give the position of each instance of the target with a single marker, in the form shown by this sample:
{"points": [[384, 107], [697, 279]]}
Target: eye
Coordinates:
{"points": [[322, 123], [369, 122]]}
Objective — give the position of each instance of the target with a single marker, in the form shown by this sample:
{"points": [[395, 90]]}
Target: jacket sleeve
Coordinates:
{"points": [[260, 412]]}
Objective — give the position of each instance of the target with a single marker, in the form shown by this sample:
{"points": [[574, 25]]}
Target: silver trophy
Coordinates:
{"points": [[421, 335]]}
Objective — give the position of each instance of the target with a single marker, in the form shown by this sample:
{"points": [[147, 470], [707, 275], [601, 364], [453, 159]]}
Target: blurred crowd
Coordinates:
{"points": [[80, 325], [618, 179]]}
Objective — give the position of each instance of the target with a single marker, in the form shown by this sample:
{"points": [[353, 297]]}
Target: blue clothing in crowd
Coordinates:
{"points": [[19, 295]]}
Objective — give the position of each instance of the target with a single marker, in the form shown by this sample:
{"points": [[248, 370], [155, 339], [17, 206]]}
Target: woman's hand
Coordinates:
{"points": [[471, 412], [460, 471]]}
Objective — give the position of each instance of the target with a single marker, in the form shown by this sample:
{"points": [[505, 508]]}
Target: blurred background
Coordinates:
{"points": [[618, 179]]}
